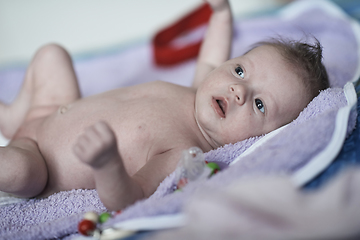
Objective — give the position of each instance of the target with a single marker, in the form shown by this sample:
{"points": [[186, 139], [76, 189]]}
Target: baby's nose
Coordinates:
{"points": [[239, 93]]}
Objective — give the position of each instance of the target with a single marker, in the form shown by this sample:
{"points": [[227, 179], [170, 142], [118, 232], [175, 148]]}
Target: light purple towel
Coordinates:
{"points": [[57, 216]]}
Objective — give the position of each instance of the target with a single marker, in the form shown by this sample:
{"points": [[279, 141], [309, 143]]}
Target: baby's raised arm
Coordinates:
{"points": [[216, 46]]}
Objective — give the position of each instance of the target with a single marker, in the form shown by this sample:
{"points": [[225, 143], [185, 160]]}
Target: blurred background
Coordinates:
{"points": [[89, 26]]}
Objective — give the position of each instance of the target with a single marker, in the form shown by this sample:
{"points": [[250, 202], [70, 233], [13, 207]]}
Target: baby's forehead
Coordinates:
{"points": [[261, 54], [264, 50], [262, 57]]}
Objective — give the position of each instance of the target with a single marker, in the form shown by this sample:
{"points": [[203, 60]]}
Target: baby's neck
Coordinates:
{"points": [[203, 140]]}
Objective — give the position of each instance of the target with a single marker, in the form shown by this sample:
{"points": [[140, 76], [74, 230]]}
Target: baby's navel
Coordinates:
{"points": [[63, 109]]}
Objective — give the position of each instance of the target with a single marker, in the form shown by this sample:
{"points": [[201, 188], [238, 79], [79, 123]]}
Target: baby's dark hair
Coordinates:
{"points": [[306, 59]]}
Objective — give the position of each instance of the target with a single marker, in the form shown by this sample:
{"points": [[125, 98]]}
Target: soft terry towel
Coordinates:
{"points": [[57, 215]]}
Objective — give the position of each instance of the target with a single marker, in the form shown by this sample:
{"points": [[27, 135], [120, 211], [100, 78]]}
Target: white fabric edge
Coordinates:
{"points": [[153, 223], [321, 161], [10, 200], [3, 141], [355, 25], [257, 144]]}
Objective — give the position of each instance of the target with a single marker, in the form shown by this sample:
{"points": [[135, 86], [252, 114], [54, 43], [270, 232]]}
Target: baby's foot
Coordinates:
{"points": [[97, 146]]}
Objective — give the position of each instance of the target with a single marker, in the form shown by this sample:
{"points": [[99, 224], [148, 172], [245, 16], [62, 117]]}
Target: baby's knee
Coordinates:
{"points": [[27, 172], [51, 51]]}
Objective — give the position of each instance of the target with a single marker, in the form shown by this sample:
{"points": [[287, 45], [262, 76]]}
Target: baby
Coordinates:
{"points": [[126, 141]]}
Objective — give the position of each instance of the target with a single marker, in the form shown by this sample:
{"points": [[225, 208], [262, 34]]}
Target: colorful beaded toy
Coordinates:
{"points": [[88, 226], [191, 167]]}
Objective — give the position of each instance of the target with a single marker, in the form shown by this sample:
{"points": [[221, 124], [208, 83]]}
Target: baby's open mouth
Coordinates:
{"points": [[220, 106]]}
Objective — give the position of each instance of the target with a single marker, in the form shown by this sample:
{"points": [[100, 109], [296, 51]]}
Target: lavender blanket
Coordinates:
{"points": [[288, 152]]}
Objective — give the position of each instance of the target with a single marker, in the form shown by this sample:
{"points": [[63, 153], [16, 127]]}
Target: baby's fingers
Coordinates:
{"points": [[96, 144], [86, 146], [81, 149], [218, 4], [104, 133]]}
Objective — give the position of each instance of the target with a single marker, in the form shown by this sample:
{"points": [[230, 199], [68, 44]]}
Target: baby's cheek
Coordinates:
{"points": [[212, 81]]}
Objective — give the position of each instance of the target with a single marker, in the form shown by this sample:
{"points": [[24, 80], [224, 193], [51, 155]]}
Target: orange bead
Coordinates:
{"points": [[86, 227]]}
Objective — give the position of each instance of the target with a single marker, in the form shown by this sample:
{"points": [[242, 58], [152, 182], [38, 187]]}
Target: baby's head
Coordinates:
{"points": [[306, 60], [260, 91]]}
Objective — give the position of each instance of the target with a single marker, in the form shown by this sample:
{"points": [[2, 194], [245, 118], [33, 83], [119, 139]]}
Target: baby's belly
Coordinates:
{"points": [[66, 172], [57, 136]]}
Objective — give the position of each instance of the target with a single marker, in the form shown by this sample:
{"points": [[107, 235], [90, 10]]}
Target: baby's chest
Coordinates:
{"points": [[148, 128], [147, 132]]}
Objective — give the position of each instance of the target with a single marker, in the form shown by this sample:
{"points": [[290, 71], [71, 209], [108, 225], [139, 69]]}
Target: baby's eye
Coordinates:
{"points": [[239, 71], [260, 105]]}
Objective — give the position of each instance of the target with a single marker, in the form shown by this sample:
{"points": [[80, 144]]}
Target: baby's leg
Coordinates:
{"points": [[50, 81], [22, 168], [97, 147]]}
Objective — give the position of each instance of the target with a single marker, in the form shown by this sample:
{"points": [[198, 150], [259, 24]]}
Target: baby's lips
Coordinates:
{"points": [[220, 106], [224, 105]]}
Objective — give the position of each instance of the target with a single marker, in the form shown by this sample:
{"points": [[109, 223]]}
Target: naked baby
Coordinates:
{"points": [[126, 141]]}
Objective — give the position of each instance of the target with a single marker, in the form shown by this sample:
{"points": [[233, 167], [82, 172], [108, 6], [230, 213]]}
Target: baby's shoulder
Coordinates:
{"points": [[168, 85], [162, 89]]}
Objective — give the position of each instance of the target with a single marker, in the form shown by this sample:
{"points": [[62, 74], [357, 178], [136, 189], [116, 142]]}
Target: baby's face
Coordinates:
{"points": [[248, 96]]}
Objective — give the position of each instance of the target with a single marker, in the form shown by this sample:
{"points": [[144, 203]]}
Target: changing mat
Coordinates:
{"points": [[313, 139]]}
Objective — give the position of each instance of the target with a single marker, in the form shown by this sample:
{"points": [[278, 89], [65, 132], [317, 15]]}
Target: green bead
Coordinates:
{"points": [[104, 217], [213, 166]]}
